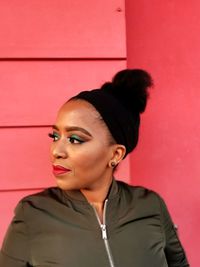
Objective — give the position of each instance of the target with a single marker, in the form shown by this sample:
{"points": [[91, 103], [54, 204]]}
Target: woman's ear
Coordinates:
{"points": [[118, 153]]}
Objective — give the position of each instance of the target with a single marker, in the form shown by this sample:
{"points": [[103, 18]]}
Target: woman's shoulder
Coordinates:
{"points": [[145, 201], [139, 190], [45, 198], [50, 192], [140, 195]]}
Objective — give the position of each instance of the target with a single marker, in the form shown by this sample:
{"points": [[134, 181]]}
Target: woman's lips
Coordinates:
{"points": [[58, 170]]}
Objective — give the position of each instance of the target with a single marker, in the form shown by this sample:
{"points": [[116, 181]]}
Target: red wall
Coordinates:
{"points": [[49, 50], [163, 37]]}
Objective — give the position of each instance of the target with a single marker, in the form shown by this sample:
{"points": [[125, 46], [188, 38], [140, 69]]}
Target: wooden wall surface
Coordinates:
{"points": [[49, 51]]}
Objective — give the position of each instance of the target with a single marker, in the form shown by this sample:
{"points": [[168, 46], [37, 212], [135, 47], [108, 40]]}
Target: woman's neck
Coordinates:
{"points": [[99, 207], [97, 197], [99, 192]]}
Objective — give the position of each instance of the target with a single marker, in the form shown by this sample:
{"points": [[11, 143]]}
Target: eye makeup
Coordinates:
{"points": [[54, 136], [73, 138]]}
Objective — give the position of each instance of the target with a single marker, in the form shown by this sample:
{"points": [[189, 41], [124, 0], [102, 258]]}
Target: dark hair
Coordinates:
{"points": [[130, 86], [120, 104]]}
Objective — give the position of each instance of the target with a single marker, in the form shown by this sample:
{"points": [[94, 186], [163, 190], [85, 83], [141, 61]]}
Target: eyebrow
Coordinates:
{"points": [[73, 128]]}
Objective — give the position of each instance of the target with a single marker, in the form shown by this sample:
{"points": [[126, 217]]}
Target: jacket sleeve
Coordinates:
{"points": [[174, 251], [14, 251]]}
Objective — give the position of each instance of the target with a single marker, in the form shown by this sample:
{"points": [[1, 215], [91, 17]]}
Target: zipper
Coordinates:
{"points": [[104, 233]]}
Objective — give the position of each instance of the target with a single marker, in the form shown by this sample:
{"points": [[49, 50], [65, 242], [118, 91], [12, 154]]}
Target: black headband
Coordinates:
{"points": [[122, 124]]}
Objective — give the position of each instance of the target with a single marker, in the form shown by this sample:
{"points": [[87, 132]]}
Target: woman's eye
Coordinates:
{"points": [[75, 140], [72, 139], [54, 136]]}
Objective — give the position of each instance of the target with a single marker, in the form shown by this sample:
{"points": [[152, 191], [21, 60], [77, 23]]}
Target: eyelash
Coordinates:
{"points": [[53, 136], [71, 138]]}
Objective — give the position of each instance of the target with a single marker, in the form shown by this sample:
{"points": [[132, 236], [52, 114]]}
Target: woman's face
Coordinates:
{"points": [[80, 150]]}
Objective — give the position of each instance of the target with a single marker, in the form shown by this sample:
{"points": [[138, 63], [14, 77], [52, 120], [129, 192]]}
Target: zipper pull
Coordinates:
{"points": [[103, 230]]}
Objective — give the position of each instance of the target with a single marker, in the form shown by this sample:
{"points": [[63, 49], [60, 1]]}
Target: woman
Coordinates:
{"points": [[90, 219]]}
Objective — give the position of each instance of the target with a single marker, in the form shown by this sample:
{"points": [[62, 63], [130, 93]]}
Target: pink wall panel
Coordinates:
{"points": [[32, 91], [26, 159], [167, 159], [8, 202], [62, 29]]}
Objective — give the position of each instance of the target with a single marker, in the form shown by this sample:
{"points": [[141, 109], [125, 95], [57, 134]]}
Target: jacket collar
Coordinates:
{"points": [[78, 196]]}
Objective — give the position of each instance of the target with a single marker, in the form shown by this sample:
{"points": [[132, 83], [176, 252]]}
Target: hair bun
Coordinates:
{"points": [[130, 87]]}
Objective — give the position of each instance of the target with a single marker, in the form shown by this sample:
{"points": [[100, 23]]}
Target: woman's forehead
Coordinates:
{"points": [[78, 112], [79, 107]]}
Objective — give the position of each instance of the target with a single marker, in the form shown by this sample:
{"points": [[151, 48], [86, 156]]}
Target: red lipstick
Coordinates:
{"points": [[58, 170]]}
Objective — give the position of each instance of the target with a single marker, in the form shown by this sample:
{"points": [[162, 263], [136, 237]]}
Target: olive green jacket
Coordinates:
{"points": [[60, 228]]}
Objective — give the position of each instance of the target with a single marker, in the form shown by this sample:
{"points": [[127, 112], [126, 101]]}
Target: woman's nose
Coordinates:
{"points": [[59, 150]]}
